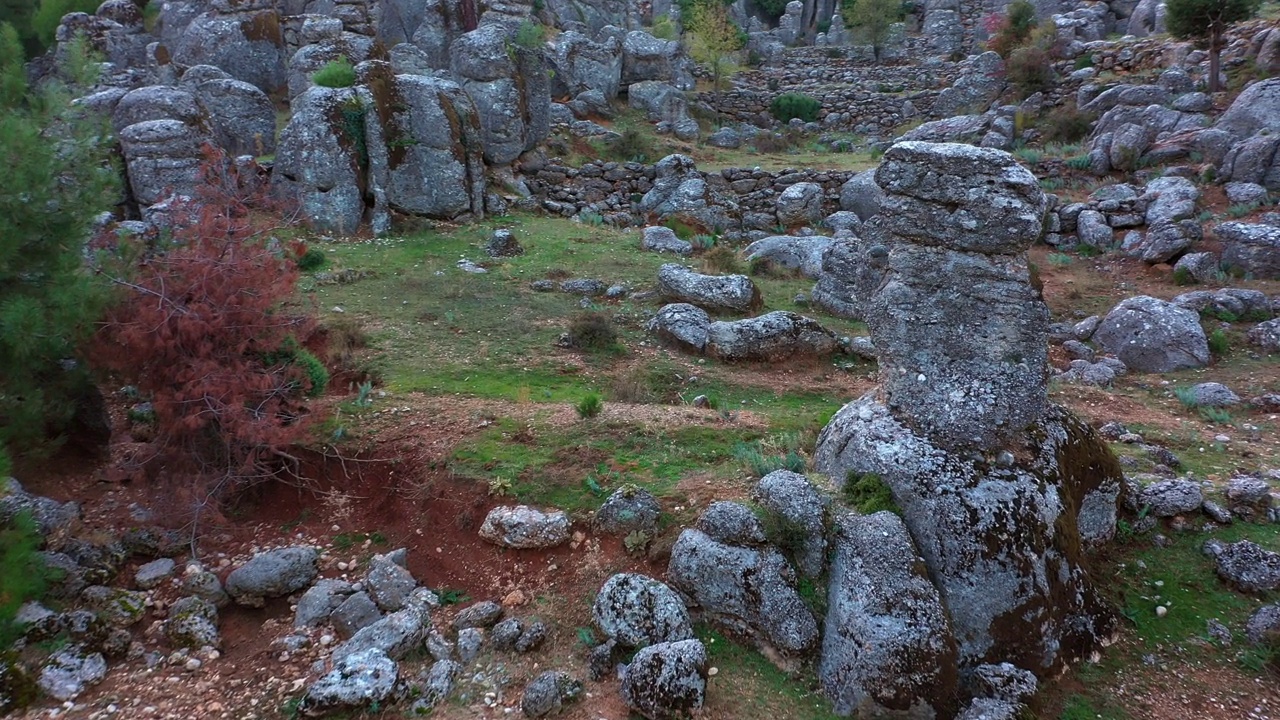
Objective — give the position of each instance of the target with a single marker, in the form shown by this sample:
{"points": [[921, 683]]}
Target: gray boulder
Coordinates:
{"points": [[115, 605], [861, 194], [772, 337], [1171, 497], [1252, 249], [666, 680], [726, 138], [1201, 266], [54, 520], [802, 253], [659, 101], [583, 65], [1092, 229], [1248, 566], [317, 165], [158, 102], [395, 635], [645, 57], [1263, 624], [661, 239], [1256, 108], [1174, 199], [1212, 394], [1166, 241], [680, 192], [1004, 681], [991, 708], [248, 45], [523, 527], [354, 613], [803, 510], [626, 510], [162, 157], [309, 59], [800, 205], [846, 266], [731, 523], [747, 589], [548, 693], [274, 573], [483, 614], [389, 584], [1245, 193], [240, 115], [357, 680], [319, 601], [192, 623], [683, 325], [733, 293], [503, 243], [70, 671], [887, 645], [1266, 335], [638, 611], [1248, 490], [509, 87], [980, 83], [1128, 143], [437, 686], [1151, 335], [151, 574]]}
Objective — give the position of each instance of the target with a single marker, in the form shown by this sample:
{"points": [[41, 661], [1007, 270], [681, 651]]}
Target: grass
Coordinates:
{"points": [[748, 685]]}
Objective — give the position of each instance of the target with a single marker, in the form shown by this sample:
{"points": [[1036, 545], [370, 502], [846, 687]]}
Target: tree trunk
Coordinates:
{"points": [[1215, 56]]}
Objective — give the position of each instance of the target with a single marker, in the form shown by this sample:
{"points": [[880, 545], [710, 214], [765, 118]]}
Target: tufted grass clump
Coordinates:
{"points": [[593, 331], [1219, 343], [795, 105], [1215, 415], [589, 406], [758, 462], [1186, 396], [867, 493], [338, 73]]}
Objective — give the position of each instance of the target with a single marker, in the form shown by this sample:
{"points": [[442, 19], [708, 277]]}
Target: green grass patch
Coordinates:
{"points": [[751, 686]]}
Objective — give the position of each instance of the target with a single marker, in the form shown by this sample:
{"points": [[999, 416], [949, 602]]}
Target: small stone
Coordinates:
{"points": [[1161, 611]]}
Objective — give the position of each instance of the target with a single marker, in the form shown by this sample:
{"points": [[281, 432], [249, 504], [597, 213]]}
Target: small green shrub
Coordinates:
{"points": [[1060, 259], [1186, 396], [589, 406], [291, 353], [530, 35], [1078, 162], [782, 532], [867, 493], [1219, 343], [338, 73], [1030, 70], [633, 145], [1066, 125], [759, 463], [664, 29], [636, 542], [795, 105], [593, 331], [1084, 61], [1215, 415], [313, 259], [1240, 210]]}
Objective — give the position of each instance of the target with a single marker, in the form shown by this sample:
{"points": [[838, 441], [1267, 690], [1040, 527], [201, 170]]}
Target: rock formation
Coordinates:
{"points": [[1000, 491]]}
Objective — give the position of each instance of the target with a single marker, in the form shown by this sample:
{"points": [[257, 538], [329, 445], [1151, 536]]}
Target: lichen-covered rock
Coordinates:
{"points": [[436, 687], [1257, 108], [116, 606], [394, 635], [509, 87], [749, 590], [320, 600], [70, 671], [357, 680], [846, 267], [659, 101], [1004, 681], [800, 205], [582, 65], [389, 583], [887, 644], [1248, 490], [158, 102], [1201, 266], [772, 337], [731, 523], [192, 623], [660, 239], [479, 615], [628, 509], [732, 293], [803, 511], [1171, 497], [523, 527], [1263, 624], [1151, 335], [248, 45], [645, 57], [803, 253], [681, 193], [54, 520], [318, 159], [153, 573], [990, 709], [1250, 248], [638, 611], [240, 115], [1266, 335], [1248, 566], [162, 157], [861, 194], [1212, 394], [666, 680], [683, 325], [549, 692], [274, 573]]}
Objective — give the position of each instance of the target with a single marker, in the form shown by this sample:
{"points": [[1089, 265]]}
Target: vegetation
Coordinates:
{"points": [[867, 493], [338, 73], [713, 41], [57, 179], [1206, 21], [874, 18], [22, 573], [795, 105], [589, 406], [593, 331], [1012, 30]]}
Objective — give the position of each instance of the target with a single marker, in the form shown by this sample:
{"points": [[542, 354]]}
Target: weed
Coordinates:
{"points": [[592, 219], [1030, 156], [721, 260], [587, 637], [1183, 276], [530, 35], [1078, 162], [703, 242], [363, 392], [500, 486], [593, 331], [1215, 415], [633, 145], [759, 463], [338, 73], [1060, 259], [636, 542], [452, 596], [1052, 184], [868, 493], [1239, 210], [589, 406], [1219, 343], [1067, 124], [1187, 396], [346, 541]]}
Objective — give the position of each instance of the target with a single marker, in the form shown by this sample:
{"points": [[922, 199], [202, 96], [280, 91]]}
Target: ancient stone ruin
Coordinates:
{"points": [[1001, 492]]}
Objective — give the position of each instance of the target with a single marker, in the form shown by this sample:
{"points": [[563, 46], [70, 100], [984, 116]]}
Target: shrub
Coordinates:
{"points": [[664, 29], [633, 145], [1013, 29], [1067, 124], [1215, 415], [1186, 396], [589, 406], [530, 35], [1219, 343], [22, 573], [759, 463], [311, 260], [1183, 276], [721, 260], [867, 493], [795, 105], [1030, 70], [593, 331], [338, 73]]}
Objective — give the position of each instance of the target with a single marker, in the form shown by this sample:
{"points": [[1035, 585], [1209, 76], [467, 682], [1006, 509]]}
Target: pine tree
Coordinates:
{"points": [[55, 180], [1207, 20]]}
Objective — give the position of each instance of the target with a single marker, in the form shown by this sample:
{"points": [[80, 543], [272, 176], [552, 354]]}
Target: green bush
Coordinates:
{"points": [[293, 354], [759, 464], [664, 29], [1068, 124], [338, 73], [22, 574], [633, 145], [312, 260], [867, 493], [795, 105], [530, 35], [589, 406], [593, 331], [1219, 343]]}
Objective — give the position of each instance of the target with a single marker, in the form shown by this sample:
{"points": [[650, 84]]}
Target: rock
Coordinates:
{"points": [[645, 57], [1263, 624], [274, 573], [978, 85], [800, 205], [549, 692], [1251, 249], [319, 601], [1249, 567], [1175, 199], [523, 527], [1245, 193], [772, 337], [748, 590], [583, 65], [354, 613], [118, 607], [683, 325], [861, 194], [637, 611], [803, 511], [1256, 108], [660, 239], [394, 635], [437, 686], [317, 165], [681, 193], [1092, 229], [731, 523], [70, 671], [1128, 143], [389, 584], [153, 573], [1151, 335], [510, 89], [1004, 681], [726, 138], [1212, 394], [504, 635], [887, 645], [470, 640], [733, 293], [794, 253], [1200, 266], [206, 586], [192, 623], [479, 615], [1217, 513], [358, 679], [628, 509], [1266, 335], [158, 102], [54, 520], [1247, 490], [990, 708], [241, 116], [666, 680], [659, 101], [162, 157], [249, 46]]}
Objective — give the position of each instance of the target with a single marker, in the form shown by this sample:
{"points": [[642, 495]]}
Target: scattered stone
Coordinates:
{"points": [[1263, 625], [523, 527], [506, 634], [436, 687], [503, 243], [549, 692], [479, 615], [389, 583], [532, 637], [192, 623], [666, 680], [118, 607], [319, 601], [1151, 335], [637, 611], [394, 635], [1004, 681], [1248, 490], [1248, 566], [662, 239], [470, 640], [1266, 335], [153, 573], [732, 293], [732, 523], [274, 573], [1217, 513], [1212, 394], [626, 510], [353, 614], [358, 679], [70, 671]]}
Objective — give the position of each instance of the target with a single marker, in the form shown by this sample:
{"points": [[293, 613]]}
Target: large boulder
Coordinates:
{"points": [[979, 84], [802, 510], [274, 573], [645, 57], [772, 337], [666, 680], [638, 611], [523, 527], [163, 158], [356, 681], [800, 205], [240, 115], [1151, 335], [318, 162], [749, 590], [683, 325], [248, 45], [887, 643], [659, 101], [681, 193], [1257, 108], [582, 64], [443, 21], [158, 102], [845, 266], [509, 86], [731, 293], [1248, 566], [861, 194], [1250, 249], [310, 58]]}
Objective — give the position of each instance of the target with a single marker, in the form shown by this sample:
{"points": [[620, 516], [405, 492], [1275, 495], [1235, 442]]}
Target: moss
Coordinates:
{"points": [[868, 493]]}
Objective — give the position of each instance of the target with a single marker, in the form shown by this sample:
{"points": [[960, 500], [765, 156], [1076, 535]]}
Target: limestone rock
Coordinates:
{"points": [[733, 293], [1249, 567], [357, 680], [549, 692], [523, 527], [772, 337], [274, 573], [638, 611], [666, 680], [1151, 335], [627, 510], [803, 510]]}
